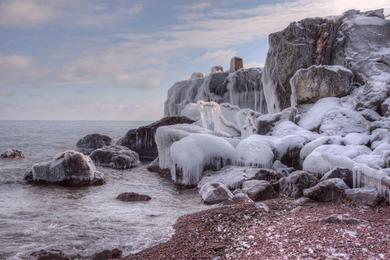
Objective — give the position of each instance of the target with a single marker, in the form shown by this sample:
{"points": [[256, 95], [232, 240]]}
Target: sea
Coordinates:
{"points": [[81, 221]]}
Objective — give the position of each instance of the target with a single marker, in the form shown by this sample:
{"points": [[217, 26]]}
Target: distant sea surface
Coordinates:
{"points": [[80, 221]]}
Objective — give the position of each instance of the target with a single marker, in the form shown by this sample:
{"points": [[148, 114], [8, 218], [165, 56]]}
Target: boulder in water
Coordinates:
{"points": [[12, 154], [141, 140], [92, 142], [49, 255], [116, 157], [69, 168], [132, 196]]}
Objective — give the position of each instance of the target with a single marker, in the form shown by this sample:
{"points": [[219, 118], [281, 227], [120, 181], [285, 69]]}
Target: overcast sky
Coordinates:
{"points": [[92, 59]]}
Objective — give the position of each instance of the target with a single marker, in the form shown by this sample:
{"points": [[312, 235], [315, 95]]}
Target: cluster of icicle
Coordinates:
{"points": [[368, 177]]}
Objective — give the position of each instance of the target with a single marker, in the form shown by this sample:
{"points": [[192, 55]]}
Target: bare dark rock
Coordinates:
{"points": [[49, 255], [116, 157], [132, 196], [12, 154], [259, 190], [108, 254], [214, 192], [342, 173], [296, 182], [91, 142], [327, 190], [141, 140]]}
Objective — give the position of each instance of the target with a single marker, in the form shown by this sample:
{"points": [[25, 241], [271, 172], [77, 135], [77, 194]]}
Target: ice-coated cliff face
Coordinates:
{"points": [[242, 88], [356, 40]]}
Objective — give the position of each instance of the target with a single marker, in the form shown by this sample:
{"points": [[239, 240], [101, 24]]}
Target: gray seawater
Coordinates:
{"points": [[80, 220]]}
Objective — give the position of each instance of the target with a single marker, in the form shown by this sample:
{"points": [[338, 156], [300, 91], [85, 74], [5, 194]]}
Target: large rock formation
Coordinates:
{"points": [[92, 142], [355, 40], [69, 168], [141, 140]]}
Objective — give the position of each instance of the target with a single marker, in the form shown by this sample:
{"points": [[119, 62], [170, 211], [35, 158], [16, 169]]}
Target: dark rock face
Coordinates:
{"points": [[259, 190], [342, 173], [266, 122], [327, 190], [141, 140], [268, 175], [236, 63], [300, 45], [69, 168], [116, 157], [49, 255], [91, 142], [132, 196], [108, 254], [319, 81], [12, 154], [296, 182]]}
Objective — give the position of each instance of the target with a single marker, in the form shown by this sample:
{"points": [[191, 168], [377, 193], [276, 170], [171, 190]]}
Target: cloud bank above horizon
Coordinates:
{"points": [[115, 60]]}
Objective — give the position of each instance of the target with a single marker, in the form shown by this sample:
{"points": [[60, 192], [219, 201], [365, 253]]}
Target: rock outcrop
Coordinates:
{"points": [[12, 154], [141, 140], [91, 142], [116, 157], [69, 168]]}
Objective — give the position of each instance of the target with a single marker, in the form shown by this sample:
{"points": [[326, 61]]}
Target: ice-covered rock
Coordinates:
{"points": [[116, 157], [92, 142], [12, 154], [142, 141], [364, 176], [318, 162], [327, 190], [268, 175], [239, 198], [214, 192], [342, 173], [308, 85], [259, 190], [236, 63], [385, 107], [265, 123], [357, 139], [231, 176], [364, 196], [69, 168], [285, 128], [379, 136], [311, 146], [255, 150], [192, 154], [343, 121], [216, 69], [197, 75], [191, 111], [296, 182]]}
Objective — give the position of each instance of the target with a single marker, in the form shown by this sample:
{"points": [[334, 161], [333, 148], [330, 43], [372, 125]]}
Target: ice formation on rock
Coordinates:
{"points": [[368, 177], [256, 150], [193, 153]]}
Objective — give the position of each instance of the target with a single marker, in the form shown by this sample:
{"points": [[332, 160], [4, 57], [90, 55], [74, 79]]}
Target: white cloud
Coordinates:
{"points": [[14, 62], [21, 13]]}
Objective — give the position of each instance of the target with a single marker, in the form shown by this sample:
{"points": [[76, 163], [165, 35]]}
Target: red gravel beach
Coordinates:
{"points": [[285, 231]]}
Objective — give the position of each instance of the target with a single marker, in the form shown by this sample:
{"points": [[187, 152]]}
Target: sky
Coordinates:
{"points": [[115, 60]]}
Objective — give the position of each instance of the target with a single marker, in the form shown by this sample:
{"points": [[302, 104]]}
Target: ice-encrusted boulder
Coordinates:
{"points": [[342, 173], [69, 168], [92, 142], [364, 196], [231, 176], [385, 107], [318, 81], [141, 140], [256, 150], [242, 88], [116, 157], [195, 153], [266, 122], [12, 154], [214, 192], [294, 184], [327, 190], [259, 190], [318, 160]]}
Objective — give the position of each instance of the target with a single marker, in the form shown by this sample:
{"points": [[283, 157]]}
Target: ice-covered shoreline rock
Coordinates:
{"points": [[12, 154], [91, 142], [116, 157]]}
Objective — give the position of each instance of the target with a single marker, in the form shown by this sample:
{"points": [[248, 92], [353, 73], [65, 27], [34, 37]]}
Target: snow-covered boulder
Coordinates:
{"points": [[327, 190], [256, 150], [319, 161], [231, 176], [343, 121], [265, 123], [259, 190], [318, 81], [92, 142], [285, 128], [385, 107], [379, 136], [311, 146], [141, 140], [214, 192], [357, 139], [193, 154], [191, 111], [341, 173], [12, 154], [296, 182], [116, 157], [69, 168]]}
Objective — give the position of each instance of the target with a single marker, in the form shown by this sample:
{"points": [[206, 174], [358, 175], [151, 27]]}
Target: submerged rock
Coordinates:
{"points": [[296, 182], [49, 255], [319, 81], [132, 196], [141, 140], [116, 157], [12, 154], [91, 142], [108, 254], [215, 192], [69, 168], [327, 190]]}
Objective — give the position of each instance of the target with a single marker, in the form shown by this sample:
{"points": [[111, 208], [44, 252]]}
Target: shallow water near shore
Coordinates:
{"points": [[80, 221]]}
